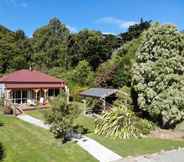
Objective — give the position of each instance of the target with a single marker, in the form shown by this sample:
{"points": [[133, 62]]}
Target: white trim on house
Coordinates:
{"points": [[2, 89]]}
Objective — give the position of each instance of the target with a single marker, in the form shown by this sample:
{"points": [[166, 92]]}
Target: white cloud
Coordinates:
{"points": [[71, 28], [109, 33], [123, 24], [17, 3]]}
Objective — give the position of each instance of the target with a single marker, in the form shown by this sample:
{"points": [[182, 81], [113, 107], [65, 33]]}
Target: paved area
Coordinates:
{"points": [[32, 120], [168, 156], [97, 150]]}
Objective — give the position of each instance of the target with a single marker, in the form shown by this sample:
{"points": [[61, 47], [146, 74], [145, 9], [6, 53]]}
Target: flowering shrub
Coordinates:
{"points": [[158, 74]]}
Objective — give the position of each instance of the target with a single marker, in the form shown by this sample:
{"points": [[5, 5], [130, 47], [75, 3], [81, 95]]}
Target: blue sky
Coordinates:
{"points": [[109, 16]]}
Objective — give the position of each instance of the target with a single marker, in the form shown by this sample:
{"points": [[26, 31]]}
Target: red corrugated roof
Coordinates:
{"points": [[29, 76]]}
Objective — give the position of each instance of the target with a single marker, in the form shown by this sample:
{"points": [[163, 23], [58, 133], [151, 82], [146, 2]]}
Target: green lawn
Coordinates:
{"points": [[24, 142], [123, 147], [180, 126], [135, 147], [86, 122], [82, 120], [37, 113]]}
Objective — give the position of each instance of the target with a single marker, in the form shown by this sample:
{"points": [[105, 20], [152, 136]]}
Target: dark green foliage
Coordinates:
{"points": [[7, 48], [20, 35], [1, 146], [15, 50], [124, 59], [83, 74], [1, 108], [1, 152], [53, 46], [24, 50], [91, 46], [134, 31], [116, 72], [49, 44], [1, 123]]}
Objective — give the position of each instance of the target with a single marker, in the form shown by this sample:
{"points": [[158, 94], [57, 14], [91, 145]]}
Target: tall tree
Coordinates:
{"points": [[89, 45], [7, 48], [24, 51], [49, 44]]}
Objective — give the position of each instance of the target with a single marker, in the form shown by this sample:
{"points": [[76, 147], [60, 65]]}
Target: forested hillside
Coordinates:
{"points": [[54, 46]]}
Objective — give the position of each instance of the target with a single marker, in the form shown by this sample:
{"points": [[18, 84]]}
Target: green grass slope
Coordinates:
{"points": [[24, 142]]}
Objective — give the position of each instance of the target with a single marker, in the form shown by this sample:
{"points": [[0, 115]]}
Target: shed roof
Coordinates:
{"points": [[98, 92]]}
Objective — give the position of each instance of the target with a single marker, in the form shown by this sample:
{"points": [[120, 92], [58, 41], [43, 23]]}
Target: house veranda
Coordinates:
{"points": [[29, 87]]}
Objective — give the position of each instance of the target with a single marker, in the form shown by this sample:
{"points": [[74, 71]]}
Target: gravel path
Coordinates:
{"points": [[97, 150]]}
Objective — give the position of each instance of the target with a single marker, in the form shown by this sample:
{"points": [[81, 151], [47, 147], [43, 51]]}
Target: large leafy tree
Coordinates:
{"points": [[24, 51], [158, 75], [15, 50], [91, 46], [49, 44], [7, 48]]}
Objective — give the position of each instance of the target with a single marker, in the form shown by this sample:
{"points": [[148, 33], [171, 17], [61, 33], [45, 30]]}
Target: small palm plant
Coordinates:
{"points": [[119, 123]]}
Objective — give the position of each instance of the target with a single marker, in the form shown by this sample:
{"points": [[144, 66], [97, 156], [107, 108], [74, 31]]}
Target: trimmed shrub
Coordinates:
{"points": [[61, 117]]}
